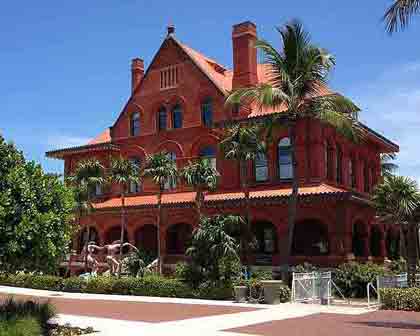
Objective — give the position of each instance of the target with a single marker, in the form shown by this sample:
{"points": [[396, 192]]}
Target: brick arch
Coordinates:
{"points": [[177, 237], [308, 234], [113, 233], [134, 149], [360, 232], [202, 141], [176, 99], [170, 146], [145, 238]]}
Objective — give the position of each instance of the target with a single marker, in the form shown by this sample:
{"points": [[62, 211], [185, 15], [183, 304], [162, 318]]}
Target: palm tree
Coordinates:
{"points": [[123, 172], [399, 14], [397, 200], [298, 78], [162, 169], [88, 175], [201, 176], [388, 167], [242, 143]]}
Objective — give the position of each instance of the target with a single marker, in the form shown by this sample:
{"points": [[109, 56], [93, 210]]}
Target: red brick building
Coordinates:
{"points": [[173, 106]]}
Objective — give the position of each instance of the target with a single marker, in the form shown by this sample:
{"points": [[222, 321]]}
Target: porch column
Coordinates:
{"points": [[382, 245]]}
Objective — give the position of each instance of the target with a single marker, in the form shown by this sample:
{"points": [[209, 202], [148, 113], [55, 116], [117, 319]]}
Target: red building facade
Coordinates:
{"points": [[174, 107]]}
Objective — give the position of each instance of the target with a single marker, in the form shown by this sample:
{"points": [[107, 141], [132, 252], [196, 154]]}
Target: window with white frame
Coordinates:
{"points": [[169, 77], [285, 164]]}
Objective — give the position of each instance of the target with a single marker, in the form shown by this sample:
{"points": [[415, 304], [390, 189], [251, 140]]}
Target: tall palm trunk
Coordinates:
{"points": [[199, 197], [123, 219], [159, 219], [245, 235], [403, 242], [412, 253], [88, 233], [292, 211]]}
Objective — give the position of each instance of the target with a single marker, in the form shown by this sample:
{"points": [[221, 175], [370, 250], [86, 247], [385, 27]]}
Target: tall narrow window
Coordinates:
{"points": [[135, 186], [177, 116], [162, 119], [171, 183], [98, 189], [261, 168], [366, 177], [352, 173], [135, 124], [209, 153], [207, 112], [338, 165], [329, 161], [285, 159]]}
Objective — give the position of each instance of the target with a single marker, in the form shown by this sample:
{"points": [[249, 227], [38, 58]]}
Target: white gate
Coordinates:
{"points": [[312, 287]]}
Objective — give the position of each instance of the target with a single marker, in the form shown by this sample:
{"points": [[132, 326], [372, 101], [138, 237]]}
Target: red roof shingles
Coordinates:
{"points": [[104, 137], [189, 197]]}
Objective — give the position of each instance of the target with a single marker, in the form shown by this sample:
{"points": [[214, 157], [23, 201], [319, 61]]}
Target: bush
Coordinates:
{"points": [[262, 275], [73, 285], [189, 273], [159, 286], [407, 299], [285, 294], [20, 327], [48, 282], [352, 278], [212, 291], [100, 285]]}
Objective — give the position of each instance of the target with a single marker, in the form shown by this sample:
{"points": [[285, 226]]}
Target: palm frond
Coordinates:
{"points": [[398, 15], [161, 168]]}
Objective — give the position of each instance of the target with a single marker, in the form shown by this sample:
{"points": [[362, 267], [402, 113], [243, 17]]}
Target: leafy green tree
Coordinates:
{"points": [[243, 143], [399, 14], [396, 201], [298, 87], [123, 172], [213, 244], [202, 177], [35, 214], [162, 170], [88, 175]]}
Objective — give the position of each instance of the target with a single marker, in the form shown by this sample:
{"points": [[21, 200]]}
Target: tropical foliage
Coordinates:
{"points": [[388, 166], [162, 170], [202, 176], [298, 86], [243, 143], [397, 199], [35, 214], [399, 14]]}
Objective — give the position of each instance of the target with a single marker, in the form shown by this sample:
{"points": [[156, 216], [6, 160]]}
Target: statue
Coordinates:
{"points": [[92, 262], [112, 256]]}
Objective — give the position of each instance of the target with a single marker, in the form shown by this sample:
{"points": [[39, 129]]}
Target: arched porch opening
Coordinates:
{"points": [[87, 235], [146, 239], [266, 241], [310, 238], [178, 237], [358, 237], [392, 244], [375, 241]]}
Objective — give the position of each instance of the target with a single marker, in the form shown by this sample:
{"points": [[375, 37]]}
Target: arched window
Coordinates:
{"points": [[329, 161], [285, 159], [177, 116], [339, 164], [83, 238], [135, 124], [209, 153], [352, 173], [171, 184], [135, 187], [261, 168], [162, 119], [207, 112], [98, 189]]}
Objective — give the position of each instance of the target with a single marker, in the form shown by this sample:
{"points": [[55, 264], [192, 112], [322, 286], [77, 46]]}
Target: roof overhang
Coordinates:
{"points": [[62, 153]]}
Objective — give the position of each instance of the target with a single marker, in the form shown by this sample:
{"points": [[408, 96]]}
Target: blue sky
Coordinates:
{"points": [[65, 65]]}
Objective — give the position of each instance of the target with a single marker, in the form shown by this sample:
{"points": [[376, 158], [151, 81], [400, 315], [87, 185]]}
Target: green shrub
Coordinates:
{"points": [[189, 273], [48, 282], [400, 299], [262, 275], [20, 327], [352, 278], [124, 286], [285, 294], [212, 291], [100, 285], [73, 285], [154, 285]]}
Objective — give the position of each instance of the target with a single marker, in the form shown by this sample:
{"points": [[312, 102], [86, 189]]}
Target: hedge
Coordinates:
{"points": [[407, 299], [147, 286]]}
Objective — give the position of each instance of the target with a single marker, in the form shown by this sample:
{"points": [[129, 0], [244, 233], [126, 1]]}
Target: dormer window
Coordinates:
{"points": [[135, 124], [162, 119], [169, 77]]}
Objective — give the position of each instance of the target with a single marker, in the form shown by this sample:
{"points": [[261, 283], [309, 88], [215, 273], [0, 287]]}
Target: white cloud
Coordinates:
{"points": [[391, 105], [63, 141]]}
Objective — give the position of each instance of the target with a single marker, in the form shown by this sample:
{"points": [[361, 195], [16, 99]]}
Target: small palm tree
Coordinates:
{"points": [[86, 177], [388, 167], [202, 176], [162, 169], [399, 14], [242, 143], [298, 78], [397, 200], [123, 172]]}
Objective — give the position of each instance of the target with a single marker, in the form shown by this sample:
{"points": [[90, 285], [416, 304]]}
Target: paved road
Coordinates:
{"points": [[380, 323]]}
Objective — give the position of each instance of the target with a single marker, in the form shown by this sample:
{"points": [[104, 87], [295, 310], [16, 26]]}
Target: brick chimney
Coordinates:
{"points": [[137, 72], [244, 36]]}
